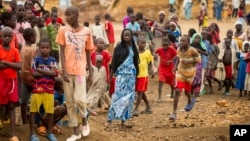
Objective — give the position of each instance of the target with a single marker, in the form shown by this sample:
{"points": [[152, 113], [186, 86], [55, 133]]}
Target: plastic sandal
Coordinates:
{"points": [[190, 106], [172, 117], [51, 137], [34, 138], [42, 131]]}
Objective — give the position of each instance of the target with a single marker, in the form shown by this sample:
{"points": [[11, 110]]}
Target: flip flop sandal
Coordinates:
{"points": [[190, 106], [42, 131], [147, 112], [14, 138]]}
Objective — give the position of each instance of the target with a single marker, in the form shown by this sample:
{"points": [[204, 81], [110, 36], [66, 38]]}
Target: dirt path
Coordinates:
{"points": [[206, 122]]}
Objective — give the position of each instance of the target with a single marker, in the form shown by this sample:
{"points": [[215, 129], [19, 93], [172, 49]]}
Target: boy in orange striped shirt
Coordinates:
{"points": [[185, 68]]}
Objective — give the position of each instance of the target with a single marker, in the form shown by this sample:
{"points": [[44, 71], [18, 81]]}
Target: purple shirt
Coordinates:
{"points": [[125, 21]]}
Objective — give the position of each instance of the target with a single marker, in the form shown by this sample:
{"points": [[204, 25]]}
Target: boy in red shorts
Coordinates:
{"points": [[187, 58], [228, 57], [167, 55], [10, 62], [142, 78]]}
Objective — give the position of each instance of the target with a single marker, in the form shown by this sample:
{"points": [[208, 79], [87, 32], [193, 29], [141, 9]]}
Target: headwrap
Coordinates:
{"points": [[203, 46], [162, 12], [238, 23]]}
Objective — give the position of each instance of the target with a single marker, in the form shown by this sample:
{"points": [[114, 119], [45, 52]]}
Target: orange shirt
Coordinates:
{"points": [[11, 55], [76, 43]]}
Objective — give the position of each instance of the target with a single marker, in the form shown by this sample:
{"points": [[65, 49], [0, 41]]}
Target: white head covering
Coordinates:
{"points": [[238, 23], [162, 12], [20, 3], [243, 53]]}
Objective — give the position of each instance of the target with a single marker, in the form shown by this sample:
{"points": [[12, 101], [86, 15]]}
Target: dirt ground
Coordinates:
{"points": [[206, 122]]}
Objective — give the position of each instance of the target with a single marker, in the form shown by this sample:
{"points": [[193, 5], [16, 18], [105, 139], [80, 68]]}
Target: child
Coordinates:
{"points": [[86, 24], [174, 31], [171, 10], [99, 31], [228, 57], [104, 53], [42, 29], [233, 44], [167, 55], [134, 27], [110, 32], [33, 24], [205, 21], [240, 81], [247, 80], [212, 63], [75, 50], [197, 43], [126, 19], [148, 36], [99, 84], [188, 57], [13, 5], [142, 79], [52, 29], [214, 29], [58, 19], [27, 54], [229, 12], [44, 69], [21, 24], [60, 110], [9, 64], [247, 30], [9, 20]]}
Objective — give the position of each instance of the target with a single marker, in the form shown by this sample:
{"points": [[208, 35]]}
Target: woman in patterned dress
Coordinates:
{"points": [[125, 68]]}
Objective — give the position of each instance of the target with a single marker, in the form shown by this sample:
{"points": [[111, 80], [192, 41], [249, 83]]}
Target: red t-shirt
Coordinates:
{"points": [[106, 59], [248, 64], [58, 20], [165, 56], [240, 13], [110, 31], [11, 55], [216, 37]]}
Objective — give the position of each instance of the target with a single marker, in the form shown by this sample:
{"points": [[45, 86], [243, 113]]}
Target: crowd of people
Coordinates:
{"points": [[49, 69]]}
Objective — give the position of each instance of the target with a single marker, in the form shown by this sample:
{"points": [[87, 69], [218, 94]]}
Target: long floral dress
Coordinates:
{"points": [[123, 97]]}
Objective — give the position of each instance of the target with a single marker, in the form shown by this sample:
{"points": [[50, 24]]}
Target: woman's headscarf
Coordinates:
{"points": [[243, 53], [203, 46], [238, 23]]}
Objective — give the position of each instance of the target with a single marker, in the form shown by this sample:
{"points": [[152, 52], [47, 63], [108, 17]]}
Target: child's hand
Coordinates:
{"points": [[152, 72], [65, 76], [155, 57], [168, 62]]}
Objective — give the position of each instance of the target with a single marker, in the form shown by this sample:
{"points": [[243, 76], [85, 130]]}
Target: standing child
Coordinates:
{"points": [[99, 30], [229, 12], [134, 27], [104, 53], [52, 29], [42, 29], [212, 64], [228, 57], [99, 85], [21, 24], [188, 57], [142, 78], [110, 33], [167, 55], [247, 80], [9, 64], [27, 54], [76, 44], [44, 69], [240, 81]]}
